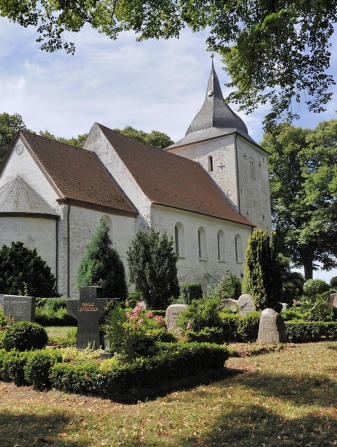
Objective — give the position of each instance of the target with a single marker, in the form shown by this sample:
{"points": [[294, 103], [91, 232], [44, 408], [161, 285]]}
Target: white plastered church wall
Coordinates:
{"points": [[34, 232], [222, 151], [83, 225], [208, 271], [254, 183], [98, 143]]}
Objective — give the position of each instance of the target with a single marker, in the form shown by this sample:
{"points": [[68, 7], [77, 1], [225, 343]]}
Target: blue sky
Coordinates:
{"points": [[155, 84]]}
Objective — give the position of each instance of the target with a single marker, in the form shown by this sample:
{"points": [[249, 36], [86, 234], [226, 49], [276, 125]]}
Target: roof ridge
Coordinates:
{"points": [[55, 141], [148, 145]]}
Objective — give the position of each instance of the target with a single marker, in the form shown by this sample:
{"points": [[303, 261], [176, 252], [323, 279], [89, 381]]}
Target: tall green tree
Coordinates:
{"points": [[152, 268], [9, 125], [158, 139], [102, 266], [303, 186], [273, 50], [262, 270]]}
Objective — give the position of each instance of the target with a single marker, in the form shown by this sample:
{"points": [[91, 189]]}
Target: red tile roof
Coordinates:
{"points": [[78, 174], [171, 180]]}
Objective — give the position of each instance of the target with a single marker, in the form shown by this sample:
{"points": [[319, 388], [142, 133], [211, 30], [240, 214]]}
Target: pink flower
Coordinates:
{"points": [[159, 319], [149, 315], [133, 317], [136, 310], [188, 326], [139, 322], [127, 314]]}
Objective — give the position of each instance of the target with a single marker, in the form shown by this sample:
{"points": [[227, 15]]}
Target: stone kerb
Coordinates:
{"points": [[172, 315], [272, 329], [19, 307], [246, 303]]}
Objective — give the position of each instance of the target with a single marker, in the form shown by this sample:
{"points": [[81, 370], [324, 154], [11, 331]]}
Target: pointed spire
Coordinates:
{"points": [[215, 112]]}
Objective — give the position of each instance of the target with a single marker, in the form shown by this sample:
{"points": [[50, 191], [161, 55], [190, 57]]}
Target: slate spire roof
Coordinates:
{"points": [[215, 118]]}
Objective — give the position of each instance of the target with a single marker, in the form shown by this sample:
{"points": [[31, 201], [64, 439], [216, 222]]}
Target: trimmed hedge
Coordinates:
{"points": [[53, 312], [131, 380], [24, 335], [191, 291], [143, 377], [304, 332]]}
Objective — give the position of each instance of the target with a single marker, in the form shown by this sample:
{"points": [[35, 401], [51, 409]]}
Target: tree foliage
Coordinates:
{"points": [[102, 266], [303, 186], [9, 125], [273, 51], [152, 267], [158, 139], [24, 272], [262, 270], [73, 141]]}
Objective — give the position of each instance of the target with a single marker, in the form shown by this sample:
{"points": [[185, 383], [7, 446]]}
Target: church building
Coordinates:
{"points": [[208, 191]]}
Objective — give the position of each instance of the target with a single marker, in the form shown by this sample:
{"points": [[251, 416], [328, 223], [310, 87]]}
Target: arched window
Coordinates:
{"points": [[179, 239], [210, 163], [202, 243], [238, 249], [221, 245]]}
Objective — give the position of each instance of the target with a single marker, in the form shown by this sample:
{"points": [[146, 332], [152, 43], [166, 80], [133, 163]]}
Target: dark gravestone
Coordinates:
{"points": [[19, 307], [88, 311]]}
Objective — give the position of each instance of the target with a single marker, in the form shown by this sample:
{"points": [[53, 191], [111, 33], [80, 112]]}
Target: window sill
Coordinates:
{"points": [[203, 259], [222, 261]]}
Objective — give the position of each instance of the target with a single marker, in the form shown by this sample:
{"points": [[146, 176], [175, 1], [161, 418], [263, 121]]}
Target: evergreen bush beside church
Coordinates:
{"points": [[102, 266]]}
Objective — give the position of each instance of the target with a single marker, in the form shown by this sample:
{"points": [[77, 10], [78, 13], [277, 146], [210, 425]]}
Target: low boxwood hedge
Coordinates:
{"points": [[304, 331], [129, 381]]}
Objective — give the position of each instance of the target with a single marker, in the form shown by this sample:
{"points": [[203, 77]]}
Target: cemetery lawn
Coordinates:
{"points": [[282, 398]]}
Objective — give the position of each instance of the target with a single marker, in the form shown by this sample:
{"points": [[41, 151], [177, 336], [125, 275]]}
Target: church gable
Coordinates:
{"points": [[17, 196]]}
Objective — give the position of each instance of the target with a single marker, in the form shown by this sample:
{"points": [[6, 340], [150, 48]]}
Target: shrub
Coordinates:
{"points": [[12, 367], [53, 312], [152, 267], [333, 282], [262, 270], [208, 335], [24, 272], [200, 314], [294, 314], [230, 322], [131, 333], [248, 327], [102, 266], [23, 335], [313, 287], [191, 291], [320, 309], [38, 367], [228, 288], [304, 332], [134, 298]]}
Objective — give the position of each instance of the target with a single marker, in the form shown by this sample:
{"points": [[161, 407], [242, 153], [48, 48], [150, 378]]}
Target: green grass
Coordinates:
{"points": [[58, 331], [286, 398]]}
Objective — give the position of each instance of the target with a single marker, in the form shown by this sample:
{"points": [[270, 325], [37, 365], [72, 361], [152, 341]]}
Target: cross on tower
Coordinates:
{"points": [[221, 166]]}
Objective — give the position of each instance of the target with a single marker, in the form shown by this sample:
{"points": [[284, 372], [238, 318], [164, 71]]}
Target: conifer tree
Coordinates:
{"points": [[102, 266], [23, 272], [262, 270], [152, 266]]}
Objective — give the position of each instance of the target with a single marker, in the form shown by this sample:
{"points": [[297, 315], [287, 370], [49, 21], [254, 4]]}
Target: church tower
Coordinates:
{"points": [[218, 139]]}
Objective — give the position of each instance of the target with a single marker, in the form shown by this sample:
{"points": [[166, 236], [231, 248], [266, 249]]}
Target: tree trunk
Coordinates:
{"points": [[307, 262]]}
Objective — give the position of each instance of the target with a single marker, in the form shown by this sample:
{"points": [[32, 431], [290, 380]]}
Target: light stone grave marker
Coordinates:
{"points": [[19, 307], [246, 302], [172, 315], [272, 329], [88, 311], [333, 301]]}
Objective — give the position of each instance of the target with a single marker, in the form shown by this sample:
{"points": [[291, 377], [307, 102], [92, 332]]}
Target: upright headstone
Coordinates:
{"points": [[172, 314], [246, 303], [272, 329], [88, 311], [333, 301], [19, 307]]}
